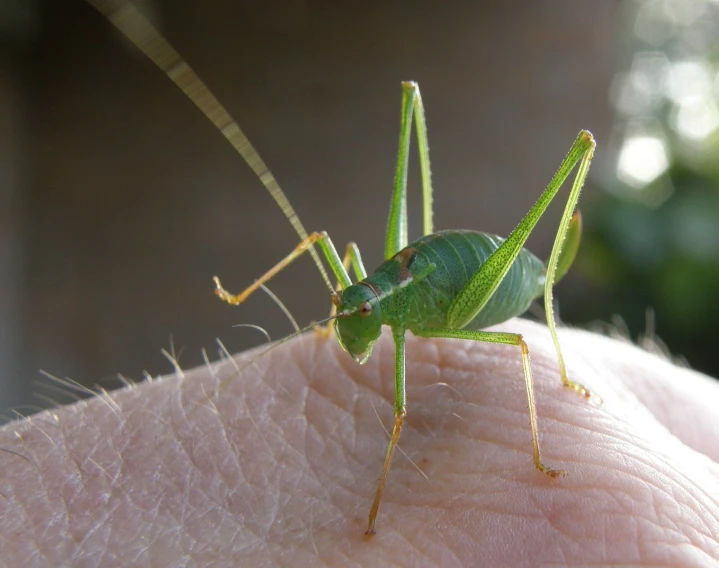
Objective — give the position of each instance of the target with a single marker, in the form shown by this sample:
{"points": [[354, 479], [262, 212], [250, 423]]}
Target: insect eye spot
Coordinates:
{"points": [[365, 309]]}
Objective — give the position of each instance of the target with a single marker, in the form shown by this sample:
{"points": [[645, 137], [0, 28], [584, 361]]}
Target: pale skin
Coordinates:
{"points": [[277, 465]]}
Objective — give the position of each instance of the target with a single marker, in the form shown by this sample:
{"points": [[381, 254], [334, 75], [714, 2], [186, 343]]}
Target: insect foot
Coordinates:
{"points": [[582, 391]]}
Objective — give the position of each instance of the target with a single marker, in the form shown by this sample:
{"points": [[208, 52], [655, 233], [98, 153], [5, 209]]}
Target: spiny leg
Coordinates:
{"points": [[400, 411], [328, 250], [485, 281], [564, 262], [397, 222], [507, 339], [564, 249]]}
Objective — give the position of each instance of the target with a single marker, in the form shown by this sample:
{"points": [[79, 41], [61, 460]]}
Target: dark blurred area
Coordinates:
{"points": [[120, 201], [651, 252]]}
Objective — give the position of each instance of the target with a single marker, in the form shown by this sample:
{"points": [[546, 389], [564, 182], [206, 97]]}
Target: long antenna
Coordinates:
{"points": [[126, 18]]}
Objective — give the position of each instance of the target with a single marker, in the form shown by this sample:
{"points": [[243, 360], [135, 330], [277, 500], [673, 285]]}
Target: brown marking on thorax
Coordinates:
{"points": [[405, 258]]}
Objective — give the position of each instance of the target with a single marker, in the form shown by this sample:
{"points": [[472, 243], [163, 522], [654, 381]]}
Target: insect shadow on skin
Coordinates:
{"points": [[447, 284]]}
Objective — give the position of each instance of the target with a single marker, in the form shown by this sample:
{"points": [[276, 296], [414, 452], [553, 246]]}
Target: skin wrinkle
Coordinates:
{"points": [[625, 436], [692, 531], [673, 469], [646, 390], [61, 451], [153, 512], [670, 529], [65, 458], [611, 518], [353, 413], [326, 395], [512, 421], [579, 541], [654, 504], [98, 528], [546, 517], [38, 474], [290, 457], [648, 543], [266, 444], [27, 518], [34, 502], [335, 425], [230, 455], [314, 470], [256, 429]]}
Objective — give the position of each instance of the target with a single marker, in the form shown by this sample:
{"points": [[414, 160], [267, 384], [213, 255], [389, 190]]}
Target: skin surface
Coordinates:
{"points": [[277, 466]]}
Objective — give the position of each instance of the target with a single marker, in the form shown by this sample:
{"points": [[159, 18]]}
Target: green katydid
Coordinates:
{"points": [[447, 284]]}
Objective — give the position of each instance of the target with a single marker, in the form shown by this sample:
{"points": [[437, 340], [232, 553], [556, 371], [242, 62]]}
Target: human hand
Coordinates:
{"points": [[277, 465]]}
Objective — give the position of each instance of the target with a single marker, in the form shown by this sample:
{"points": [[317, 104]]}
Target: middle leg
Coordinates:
{"points": [[507, 339]]}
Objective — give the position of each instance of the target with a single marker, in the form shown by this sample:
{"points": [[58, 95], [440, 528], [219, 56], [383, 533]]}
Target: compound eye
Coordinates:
{"points": [[365, 309]]}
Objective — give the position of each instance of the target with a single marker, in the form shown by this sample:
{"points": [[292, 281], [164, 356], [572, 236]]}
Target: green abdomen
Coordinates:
{"points": [[457, 256]]}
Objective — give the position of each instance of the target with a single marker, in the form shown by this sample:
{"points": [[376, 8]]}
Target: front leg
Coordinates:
{"points": [[328, 250]]}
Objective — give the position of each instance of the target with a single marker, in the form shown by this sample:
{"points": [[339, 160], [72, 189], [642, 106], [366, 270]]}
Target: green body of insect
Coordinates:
{"points": [[450, 284], [415, 289]]}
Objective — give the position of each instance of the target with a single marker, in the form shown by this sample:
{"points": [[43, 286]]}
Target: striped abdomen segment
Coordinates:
{"points": [[457, 255]]}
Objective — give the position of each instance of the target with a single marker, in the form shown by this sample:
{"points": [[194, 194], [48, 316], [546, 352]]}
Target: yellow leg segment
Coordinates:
{"points": [[328, 250]]}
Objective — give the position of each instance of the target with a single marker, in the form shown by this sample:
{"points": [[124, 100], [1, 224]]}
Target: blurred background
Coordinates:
{"points": [[119, 201]]}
